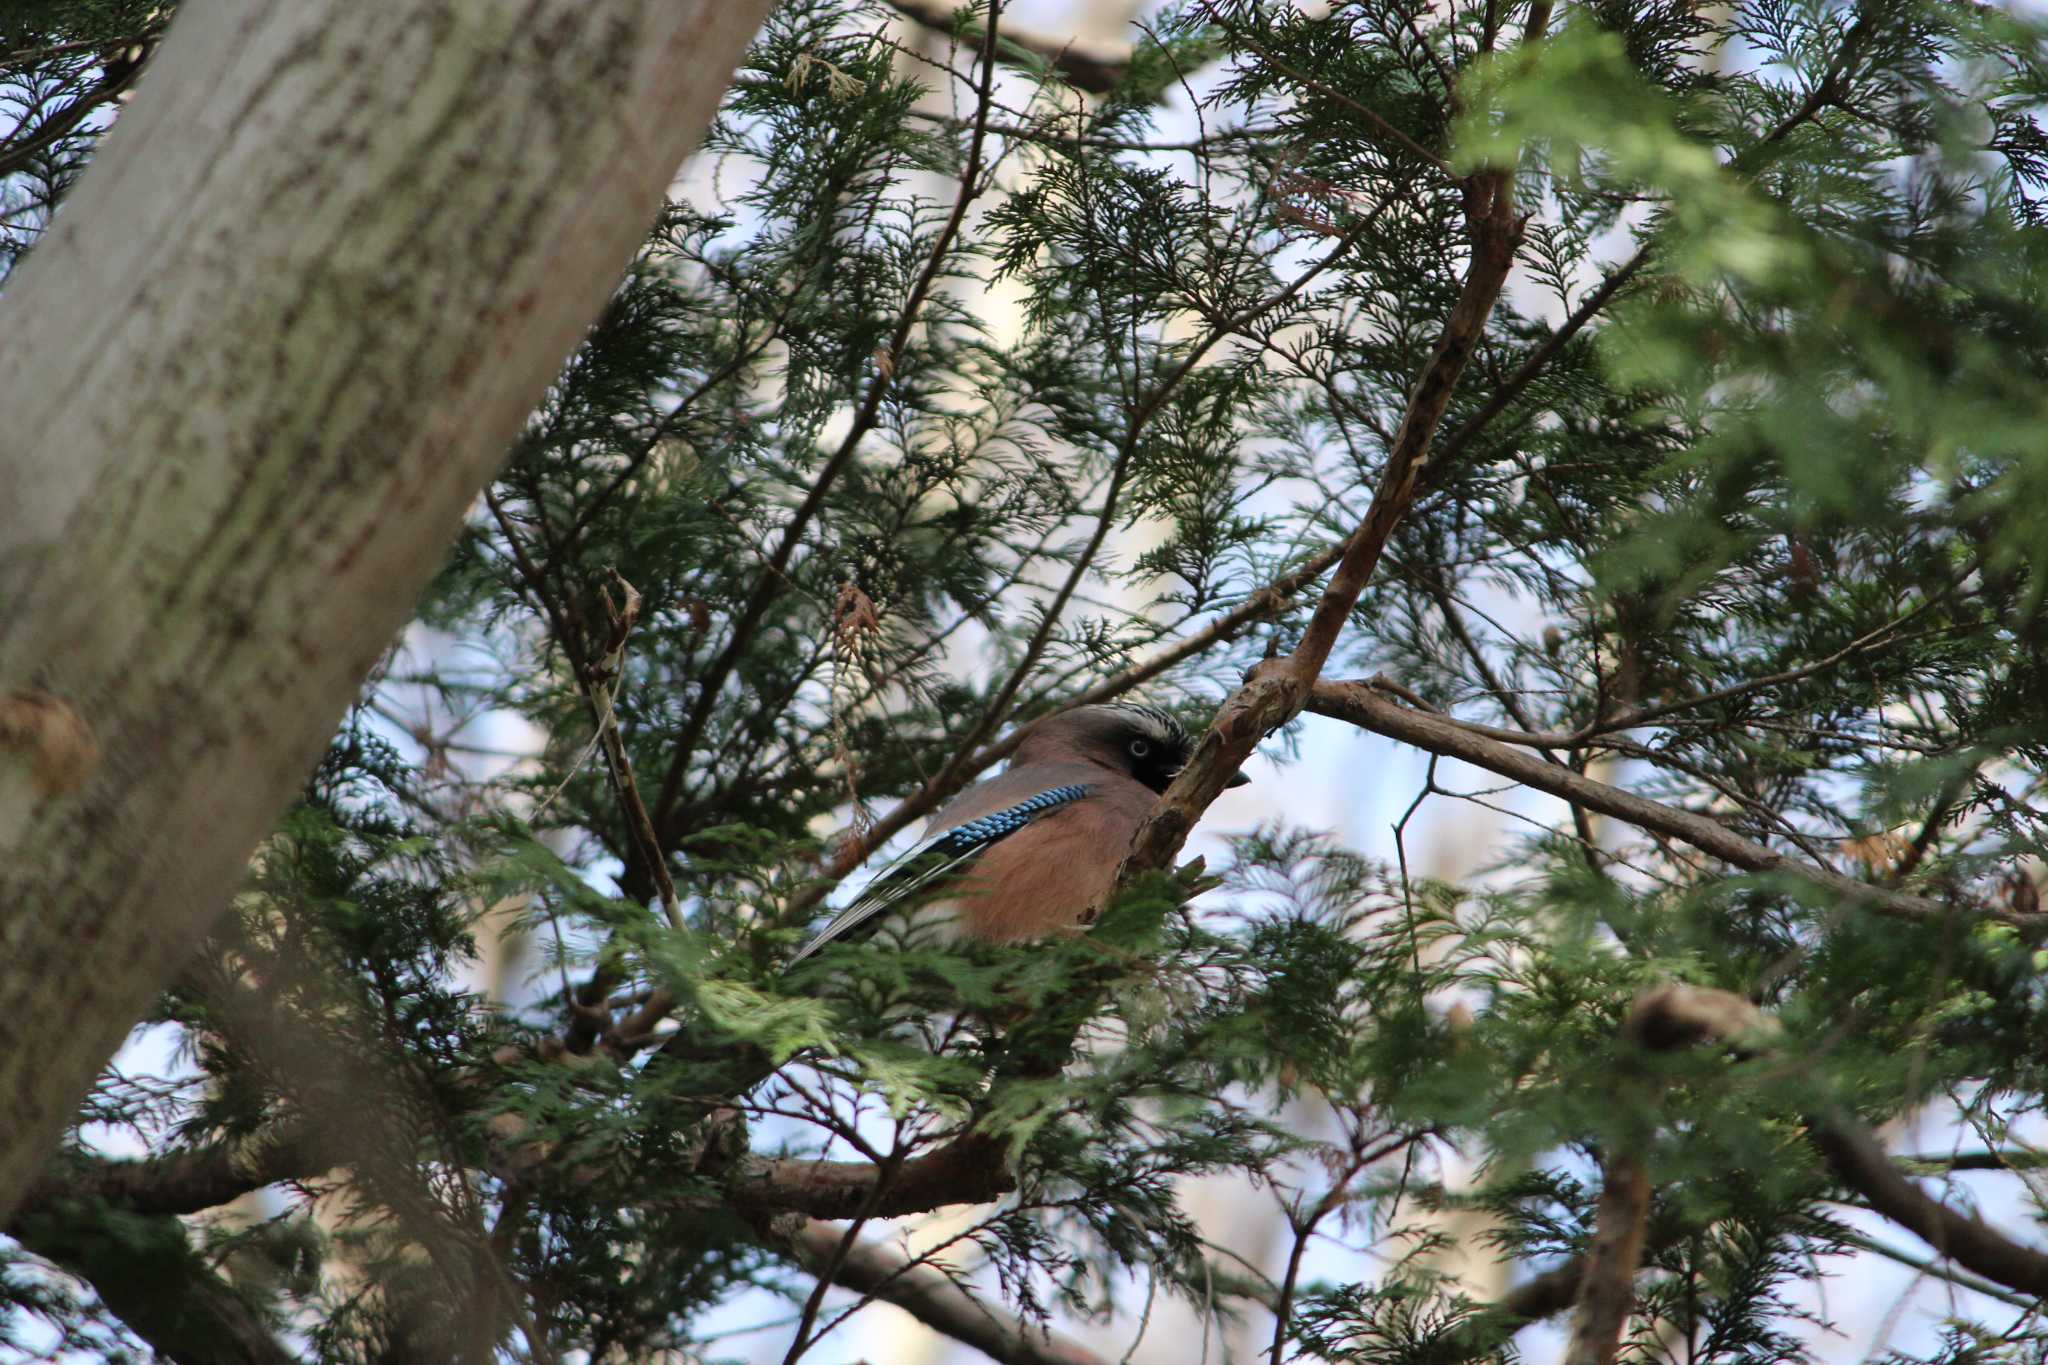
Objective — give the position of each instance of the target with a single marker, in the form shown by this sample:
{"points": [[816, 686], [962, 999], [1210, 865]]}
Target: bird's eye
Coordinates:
{"points": [[1139, 748]]}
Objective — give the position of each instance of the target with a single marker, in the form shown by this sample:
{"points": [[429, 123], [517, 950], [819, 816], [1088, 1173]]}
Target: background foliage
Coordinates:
{"points": [[941, 398]]}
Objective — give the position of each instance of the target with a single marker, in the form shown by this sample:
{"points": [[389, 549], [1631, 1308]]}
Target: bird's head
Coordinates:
{"points": [[1144, 741]]}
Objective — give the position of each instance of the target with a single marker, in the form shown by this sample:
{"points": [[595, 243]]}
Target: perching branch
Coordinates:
{"points": [[965, 1170]]}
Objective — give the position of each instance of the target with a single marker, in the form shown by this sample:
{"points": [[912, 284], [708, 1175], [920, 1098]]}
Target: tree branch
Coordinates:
{"points": [[147, 1273], [1853, 1152], [1274, 691], [114, 1225], [2011, 1159], [184, 1182], [933, 1298], [1357, 703], [1539, 359], [1088, 65], [1480, 1333], [1858, 1160], [968, 1170], [1663, 1018], [1607, 1282]]}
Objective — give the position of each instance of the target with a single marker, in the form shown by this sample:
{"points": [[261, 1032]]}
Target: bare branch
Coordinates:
{"points": [[1358, 703], [1086, 64], [1607, 1284], [933, 1298], [1853, 1153], [968, 1170], [1858, 1160], [183, 1182]]}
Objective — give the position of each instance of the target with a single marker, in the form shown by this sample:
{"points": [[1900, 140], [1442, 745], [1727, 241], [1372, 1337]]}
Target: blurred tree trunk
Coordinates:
{"points": [[253, 377]]}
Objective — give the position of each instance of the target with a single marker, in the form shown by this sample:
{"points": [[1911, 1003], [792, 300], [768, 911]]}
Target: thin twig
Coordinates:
{"points": [[22, 56], [1539, 359], [624, 613], [591, 682], [1386, 130], [1027, 133], [1926, 1266], [1141, 415], [767, 586]]}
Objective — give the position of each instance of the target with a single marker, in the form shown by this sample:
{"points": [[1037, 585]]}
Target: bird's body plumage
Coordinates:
{"points": [[1034, 850]]}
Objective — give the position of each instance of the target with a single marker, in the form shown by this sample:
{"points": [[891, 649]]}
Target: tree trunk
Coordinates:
{"points": [[251, 379]]}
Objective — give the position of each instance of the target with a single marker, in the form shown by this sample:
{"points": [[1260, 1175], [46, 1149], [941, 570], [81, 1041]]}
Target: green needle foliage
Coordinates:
{"points": [[940, 396]]}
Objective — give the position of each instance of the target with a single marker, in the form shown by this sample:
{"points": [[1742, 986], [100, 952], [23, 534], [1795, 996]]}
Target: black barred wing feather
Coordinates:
{"points": [[933, 859]]}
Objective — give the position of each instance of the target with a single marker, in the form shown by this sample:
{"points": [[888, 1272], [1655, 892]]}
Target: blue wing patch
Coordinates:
{"points": [[989, 828], [933, 858]]}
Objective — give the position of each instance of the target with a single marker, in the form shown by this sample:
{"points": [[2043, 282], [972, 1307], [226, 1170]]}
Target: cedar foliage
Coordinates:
{"points": [[1757, 530]]}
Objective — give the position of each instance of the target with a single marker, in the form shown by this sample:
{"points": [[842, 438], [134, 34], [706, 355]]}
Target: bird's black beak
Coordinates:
{"points": [[1238, 781]]}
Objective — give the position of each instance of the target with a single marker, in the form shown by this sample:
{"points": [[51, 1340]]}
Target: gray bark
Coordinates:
{"points": [[280, 335]]}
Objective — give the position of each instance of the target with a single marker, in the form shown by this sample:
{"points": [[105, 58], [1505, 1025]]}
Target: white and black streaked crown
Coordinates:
{"points": [[1161, 726]]}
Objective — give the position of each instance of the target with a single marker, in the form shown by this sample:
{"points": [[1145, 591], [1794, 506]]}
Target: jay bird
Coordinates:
{"points": [[1031, 852]]}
